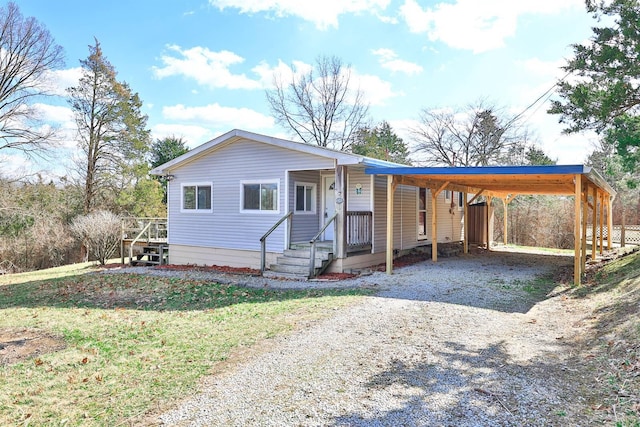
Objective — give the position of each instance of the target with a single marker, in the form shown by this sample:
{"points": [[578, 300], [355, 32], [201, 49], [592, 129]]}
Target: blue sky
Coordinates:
{"points": [[201, 66]]}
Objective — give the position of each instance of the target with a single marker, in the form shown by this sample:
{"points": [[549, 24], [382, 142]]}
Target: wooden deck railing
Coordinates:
{"points": [[148, 230], [359, 229]]}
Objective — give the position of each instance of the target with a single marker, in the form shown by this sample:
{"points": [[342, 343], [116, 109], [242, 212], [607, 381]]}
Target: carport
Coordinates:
{"points": [[589, 189]]}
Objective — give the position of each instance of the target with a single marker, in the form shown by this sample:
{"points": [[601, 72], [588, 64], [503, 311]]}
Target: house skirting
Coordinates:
{"points": [[198, 255]]}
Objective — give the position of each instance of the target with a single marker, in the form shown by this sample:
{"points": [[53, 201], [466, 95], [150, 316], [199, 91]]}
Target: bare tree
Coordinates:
{"points": [[27, 54], [320, 106], [478, 136]]}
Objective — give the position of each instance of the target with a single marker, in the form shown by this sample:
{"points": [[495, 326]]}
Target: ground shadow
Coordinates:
{"points": [[472, 387], [510, 282], [146, 292]]}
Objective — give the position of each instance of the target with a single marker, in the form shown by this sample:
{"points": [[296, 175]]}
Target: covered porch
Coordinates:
{"points": [[590, 191]]}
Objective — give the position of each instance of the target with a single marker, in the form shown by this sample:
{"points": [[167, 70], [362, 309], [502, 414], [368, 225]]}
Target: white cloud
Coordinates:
{"points": [[59, 80], [376, 91], [475, 25], [544, 68], [389, 60], [282, 71], [193, 135], [205, 67], [323, 14], [219, 116]]}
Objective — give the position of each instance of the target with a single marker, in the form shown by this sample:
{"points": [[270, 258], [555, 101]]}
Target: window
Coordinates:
{"points": [[196, 197], [461, 200], [447, 194], [305, 197], [422, 213], [260, 196]]}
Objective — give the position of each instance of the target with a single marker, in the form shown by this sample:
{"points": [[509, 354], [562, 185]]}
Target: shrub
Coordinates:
{"points": [[99, 232]]}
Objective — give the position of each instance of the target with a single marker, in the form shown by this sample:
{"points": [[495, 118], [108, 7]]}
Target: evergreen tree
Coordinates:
{"points": [[381, 143], [605, 94], [111, 128]]}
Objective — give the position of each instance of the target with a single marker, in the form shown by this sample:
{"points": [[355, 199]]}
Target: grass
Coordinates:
{"points": [[134, 344], [617, 289]]}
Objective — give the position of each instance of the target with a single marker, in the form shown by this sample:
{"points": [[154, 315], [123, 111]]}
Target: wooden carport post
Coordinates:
{"points": [[434, 221], [609, 223], [391, 187], [601, 197], [505, 204], [594, 226], [577, 245], [465, 236], [585, 212]]}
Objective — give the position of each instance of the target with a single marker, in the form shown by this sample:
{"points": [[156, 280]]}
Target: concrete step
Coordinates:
{"points": [[326, 246], [280, 275], [285, 260], [306, 253], [291, 269]]}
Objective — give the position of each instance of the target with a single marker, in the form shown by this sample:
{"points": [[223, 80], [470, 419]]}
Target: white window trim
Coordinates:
{"points": [[314, 195], [195, 184], [425, 236], [260, 211]]}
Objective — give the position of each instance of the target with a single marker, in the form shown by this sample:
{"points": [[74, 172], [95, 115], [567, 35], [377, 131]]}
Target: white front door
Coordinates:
{"points": [[329, 205]]}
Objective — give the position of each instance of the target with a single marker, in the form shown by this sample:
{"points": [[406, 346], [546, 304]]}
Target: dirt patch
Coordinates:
{"points": [[17, 345]]}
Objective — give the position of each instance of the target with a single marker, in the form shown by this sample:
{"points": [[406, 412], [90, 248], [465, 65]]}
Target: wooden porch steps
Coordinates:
{"points": [[294, 262], [153, 254]]}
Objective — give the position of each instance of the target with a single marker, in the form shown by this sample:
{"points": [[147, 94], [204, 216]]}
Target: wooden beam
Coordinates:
{"points": [[439, 189], [577, 208], [434, 226], [389, 255], [476, 196]]}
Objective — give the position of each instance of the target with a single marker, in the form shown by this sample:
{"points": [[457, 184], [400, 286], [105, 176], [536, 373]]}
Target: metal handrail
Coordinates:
{"points": [[263, 241], [312, 259]]}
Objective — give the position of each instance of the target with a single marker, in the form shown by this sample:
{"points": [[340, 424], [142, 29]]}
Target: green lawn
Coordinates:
{"points": [[133, 344]]}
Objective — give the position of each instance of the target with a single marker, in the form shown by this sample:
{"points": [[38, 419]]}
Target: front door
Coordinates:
{"points": [[329, 205]]}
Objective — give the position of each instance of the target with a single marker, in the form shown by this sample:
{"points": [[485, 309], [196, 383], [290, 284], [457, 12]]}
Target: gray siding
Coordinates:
{"points": [[226, 167], [305, 225], [362, 201], [405, 222]]}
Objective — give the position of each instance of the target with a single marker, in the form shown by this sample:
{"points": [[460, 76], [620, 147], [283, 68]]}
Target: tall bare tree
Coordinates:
{"points": [[27, 54], [321, 106], [478, 136], [111, 129]]}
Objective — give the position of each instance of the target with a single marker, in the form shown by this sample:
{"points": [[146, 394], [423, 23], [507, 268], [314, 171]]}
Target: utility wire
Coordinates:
{"points": [[548, 92]]}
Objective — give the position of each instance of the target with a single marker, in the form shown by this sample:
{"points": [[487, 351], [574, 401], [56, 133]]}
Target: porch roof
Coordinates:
{"points": [[499, 181]]}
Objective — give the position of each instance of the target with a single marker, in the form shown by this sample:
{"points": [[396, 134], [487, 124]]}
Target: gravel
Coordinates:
{"points": [[456, 343]]}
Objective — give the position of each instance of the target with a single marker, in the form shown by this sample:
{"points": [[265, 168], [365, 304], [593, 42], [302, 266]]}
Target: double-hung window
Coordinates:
{"points": [[261, 196], [196, 197], [305, 197]]}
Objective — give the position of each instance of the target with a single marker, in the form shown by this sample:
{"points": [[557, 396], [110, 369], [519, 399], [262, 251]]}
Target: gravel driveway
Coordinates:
{"points": [[462, 342]]}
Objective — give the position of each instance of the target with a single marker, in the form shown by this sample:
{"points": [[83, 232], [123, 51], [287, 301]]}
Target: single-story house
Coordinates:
{"points": [[250, 200]]}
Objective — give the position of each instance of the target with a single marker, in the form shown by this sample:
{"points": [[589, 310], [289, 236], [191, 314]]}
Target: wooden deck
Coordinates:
{"points": [[144, 241]]}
